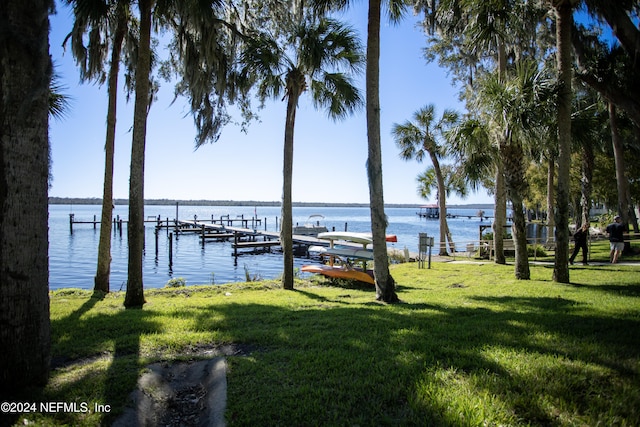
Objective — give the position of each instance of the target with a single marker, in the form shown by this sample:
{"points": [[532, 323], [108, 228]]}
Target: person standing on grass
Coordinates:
{"points": [[580, 238], [616, 239]]}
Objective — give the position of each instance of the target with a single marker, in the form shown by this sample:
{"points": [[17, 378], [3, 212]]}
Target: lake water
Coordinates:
{"points": [[73, 255]]}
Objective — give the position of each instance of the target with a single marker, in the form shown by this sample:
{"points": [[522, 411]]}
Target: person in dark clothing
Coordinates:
{"points": [[616, 239], [581, 237]]}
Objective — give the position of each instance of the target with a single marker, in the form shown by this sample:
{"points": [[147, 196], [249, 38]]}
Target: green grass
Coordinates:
{"points": [[468, 346]]}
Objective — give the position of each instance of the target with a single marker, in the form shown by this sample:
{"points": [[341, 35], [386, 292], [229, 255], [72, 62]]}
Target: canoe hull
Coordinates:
{"points": [[339, 273], [343, 252]]}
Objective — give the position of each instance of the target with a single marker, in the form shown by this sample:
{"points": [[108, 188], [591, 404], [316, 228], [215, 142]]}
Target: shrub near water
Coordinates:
{"points": [[469, 345]]}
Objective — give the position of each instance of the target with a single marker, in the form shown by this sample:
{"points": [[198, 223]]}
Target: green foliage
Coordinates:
{"points": [[605, 219], [176, 282], [251, 277], [536, 251]]}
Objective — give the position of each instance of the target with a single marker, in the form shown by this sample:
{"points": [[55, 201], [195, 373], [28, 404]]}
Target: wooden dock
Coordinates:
{"points": [[249, 238], [244, 232]]}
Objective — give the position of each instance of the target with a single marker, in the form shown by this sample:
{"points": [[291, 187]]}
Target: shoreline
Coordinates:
{"points": [[254, 203]]}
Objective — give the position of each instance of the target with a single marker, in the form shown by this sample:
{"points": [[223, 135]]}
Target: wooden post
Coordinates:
{"points": [[203, 235], [235, 244], [94, 222], [156, 236], [71, 223], [170, 249]]}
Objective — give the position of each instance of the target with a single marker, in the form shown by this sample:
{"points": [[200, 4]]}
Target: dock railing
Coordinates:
{"points": [[485, 248]]}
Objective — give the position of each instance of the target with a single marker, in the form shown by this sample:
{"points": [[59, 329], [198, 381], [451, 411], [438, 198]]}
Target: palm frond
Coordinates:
{"points": [[336, 92]]}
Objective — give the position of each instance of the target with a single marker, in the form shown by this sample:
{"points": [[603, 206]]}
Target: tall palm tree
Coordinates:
{"points": [[564, 23], [315, 55], [134, 296], [453, 179], [469, 35], [196, 26], [425, 136], [25, 76], [107, 23], [512, 111], [384, 282]]}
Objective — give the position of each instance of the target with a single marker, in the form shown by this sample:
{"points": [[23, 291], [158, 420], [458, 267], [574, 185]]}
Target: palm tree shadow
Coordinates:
{"points": [[116, 336]]}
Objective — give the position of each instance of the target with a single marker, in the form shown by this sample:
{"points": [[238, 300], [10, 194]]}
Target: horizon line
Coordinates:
{"points": [[56, 200]]}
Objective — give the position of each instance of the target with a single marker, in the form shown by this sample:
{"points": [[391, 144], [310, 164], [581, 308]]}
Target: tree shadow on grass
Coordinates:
{"points": [[111, 344], [411, 364], [370, 365]]}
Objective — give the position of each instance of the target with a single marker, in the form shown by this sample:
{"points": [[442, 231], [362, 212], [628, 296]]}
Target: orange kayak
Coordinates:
{"points": [[339, 273]]}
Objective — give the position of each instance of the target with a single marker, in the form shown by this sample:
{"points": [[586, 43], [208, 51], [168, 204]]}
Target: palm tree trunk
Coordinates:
{"points": [[25, 73], [618, 155], [135, 290], [385, 285], [564, 22], [520, 237], [586, 181], [551, 214], [500, 221], [500, 207], [442, 204], [286, 239], [513, 157], [101, 280]]}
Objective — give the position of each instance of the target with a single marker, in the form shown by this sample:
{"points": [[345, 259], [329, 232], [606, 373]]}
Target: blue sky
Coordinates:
{"points": [[329, 157]]}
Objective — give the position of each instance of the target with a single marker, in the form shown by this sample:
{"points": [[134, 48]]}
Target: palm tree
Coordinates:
{"points": [[107, 23], [512, 110], [423, 137], [25, 72], [454, 180], [134, 296], [320, 52], [564, 23], [384, 282], [471, 34], [203, 65]]}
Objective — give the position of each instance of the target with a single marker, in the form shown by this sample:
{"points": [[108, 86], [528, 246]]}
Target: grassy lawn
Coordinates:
{"points": [[468, 345]]}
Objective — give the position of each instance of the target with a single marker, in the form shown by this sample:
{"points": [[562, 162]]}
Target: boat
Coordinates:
{"points": [[340, 272], [347, 236], [343, 246], [343, 251], [354, 237], [312, 227]]}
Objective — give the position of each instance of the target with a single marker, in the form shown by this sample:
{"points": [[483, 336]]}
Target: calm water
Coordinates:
{"points": [[72, 256]]}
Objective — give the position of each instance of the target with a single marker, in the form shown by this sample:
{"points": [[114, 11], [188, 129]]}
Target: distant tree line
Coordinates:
{"points": [[204, 202]]}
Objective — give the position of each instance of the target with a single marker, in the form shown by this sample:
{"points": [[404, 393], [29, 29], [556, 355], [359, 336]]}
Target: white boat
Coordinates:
{"points": [[350, 236], [312, 227], [347, 236], [343, 251]]}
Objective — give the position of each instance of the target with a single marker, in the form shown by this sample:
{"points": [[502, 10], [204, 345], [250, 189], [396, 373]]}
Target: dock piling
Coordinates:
{"points": [[170, 249]]}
